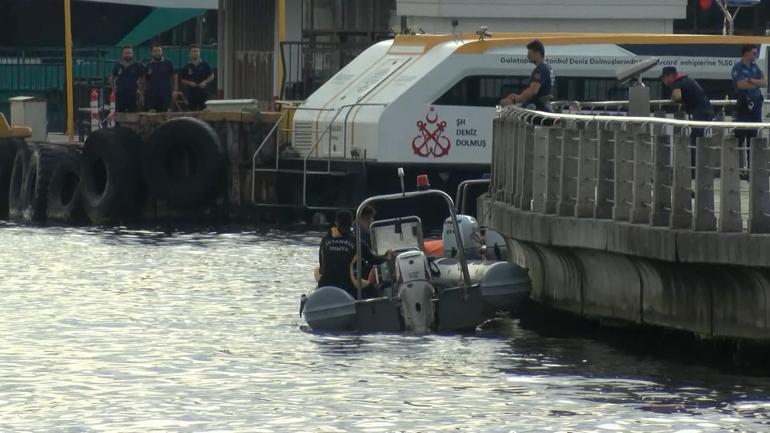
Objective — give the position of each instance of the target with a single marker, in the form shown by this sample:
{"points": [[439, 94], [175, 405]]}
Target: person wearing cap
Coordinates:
{"points": [[542, 82], [748, 80], [693, 98]]}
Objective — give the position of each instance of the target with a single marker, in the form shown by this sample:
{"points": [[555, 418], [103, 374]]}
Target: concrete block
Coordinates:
{"points": [[740, 304], [644, 241], [675, 297], [526, 256], [738, 249], [562, 280], [611, 286], [580, 233]]}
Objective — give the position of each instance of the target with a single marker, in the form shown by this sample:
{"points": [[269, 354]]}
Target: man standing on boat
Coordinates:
{"points": [[542, 81], [337, 254], [748, 80], [690, 94]]}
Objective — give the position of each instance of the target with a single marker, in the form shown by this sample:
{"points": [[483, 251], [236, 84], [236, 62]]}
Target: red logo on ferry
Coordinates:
{"points": [[431, 140]]}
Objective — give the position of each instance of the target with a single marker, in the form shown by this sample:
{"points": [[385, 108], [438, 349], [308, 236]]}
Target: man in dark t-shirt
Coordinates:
{"points": [[542, 82], [195, 76], [690, 94], [126, 75], [161, 82]]}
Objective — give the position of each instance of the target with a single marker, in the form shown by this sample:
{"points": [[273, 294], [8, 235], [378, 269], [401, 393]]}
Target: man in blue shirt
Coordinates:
{"points": [[161, 82], [748, 80], [542, 81], [126, 76], [195, 76], [690, 94]]}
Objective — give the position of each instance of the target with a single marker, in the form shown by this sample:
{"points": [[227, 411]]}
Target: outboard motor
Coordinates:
{"points": [[415, 291], [470, 234], [495, 246]]}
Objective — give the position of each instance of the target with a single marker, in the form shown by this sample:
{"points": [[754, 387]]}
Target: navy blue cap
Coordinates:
{"points": [[668, 70]]}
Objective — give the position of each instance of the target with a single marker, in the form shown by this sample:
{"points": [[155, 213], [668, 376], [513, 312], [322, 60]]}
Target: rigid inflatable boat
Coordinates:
{"points": [[419, 293]]}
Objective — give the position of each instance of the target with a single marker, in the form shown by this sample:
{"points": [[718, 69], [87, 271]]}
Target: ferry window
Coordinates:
{"points": [[482, 90], [486, 91]]}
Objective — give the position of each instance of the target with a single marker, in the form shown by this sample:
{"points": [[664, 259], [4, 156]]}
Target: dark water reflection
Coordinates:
{"points": [[141, 331]]}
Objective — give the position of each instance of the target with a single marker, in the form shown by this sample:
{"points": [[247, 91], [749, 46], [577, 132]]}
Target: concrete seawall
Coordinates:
{"points": [[712, 301], [605, 216]]}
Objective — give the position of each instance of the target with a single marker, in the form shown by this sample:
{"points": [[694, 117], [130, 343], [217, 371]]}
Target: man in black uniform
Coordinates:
{"points": [[195, 76], [539, 93], [690, 94], [125, 81], [337, 254], [161, 82]]}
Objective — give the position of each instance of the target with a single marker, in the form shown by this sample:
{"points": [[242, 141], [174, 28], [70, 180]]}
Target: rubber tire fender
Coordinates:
{"points": [[16, 184], [183, 162], [8, 148], [109, 176], [37, 178], [64, 192]]}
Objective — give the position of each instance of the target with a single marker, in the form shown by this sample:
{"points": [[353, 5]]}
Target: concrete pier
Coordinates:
{"points": [[606, 215]]}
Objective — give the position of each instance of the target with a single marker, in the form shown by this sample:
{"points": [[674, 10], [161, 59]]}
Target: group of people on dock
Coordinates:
{"points": [[155, 86], [748, 80]]}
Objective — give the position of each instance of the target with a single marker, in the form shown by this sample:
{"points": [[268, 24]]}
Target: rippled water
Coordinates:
{"points": [[139, 331]]}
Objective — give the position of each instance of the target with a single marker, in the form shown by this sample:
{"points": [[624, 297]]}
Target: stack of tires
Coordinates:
{"points": [[110, 179]]}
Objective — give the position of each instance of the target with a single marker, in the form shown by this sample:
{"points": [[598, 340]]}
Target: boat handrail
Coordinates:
{"points": [[466, 282], [461, 198]]}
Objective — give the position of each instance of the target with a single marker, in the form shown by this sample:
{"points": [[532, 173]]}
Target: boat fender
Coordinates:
{"points": [[64, 196], [37, 180]]}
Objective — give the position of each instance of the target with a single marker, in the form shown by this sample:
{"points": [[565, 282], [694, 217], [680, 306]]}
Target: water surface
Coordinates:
{"points": [[142, 331]]}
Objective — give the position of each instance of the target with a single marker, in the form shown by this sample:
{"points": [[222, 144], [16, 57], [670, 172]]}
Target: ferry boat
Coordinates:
{"points": [[427, 102]]}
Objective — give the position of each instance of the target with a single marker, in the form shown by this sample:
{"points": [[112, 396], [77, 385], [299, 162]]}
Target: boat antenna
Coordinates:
{"points": [[401, 176]]}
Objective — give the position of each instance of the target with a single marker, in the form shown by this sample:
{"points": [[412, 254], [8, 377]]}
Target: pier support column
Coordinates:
{"points": [[540, 169], [704, 218], [662, 180], [569, 172], [605, 173], [526, 176], [512, 131], [553, 173], [759, 181], [587, 174], [730, 195], [624, 175], [681, 200], [643, 177]]}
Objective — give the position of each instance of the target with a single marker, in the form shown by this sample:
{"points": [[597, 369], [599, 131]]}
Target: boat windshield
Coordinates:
{"points": [[397, 235]]}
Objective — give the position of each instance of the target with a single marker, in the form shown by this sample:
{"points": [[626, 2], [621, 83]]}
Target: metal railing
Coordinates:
{"points": [[311, 152], [620, 107], [636, 170], [314, 149], [308, 65]]}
